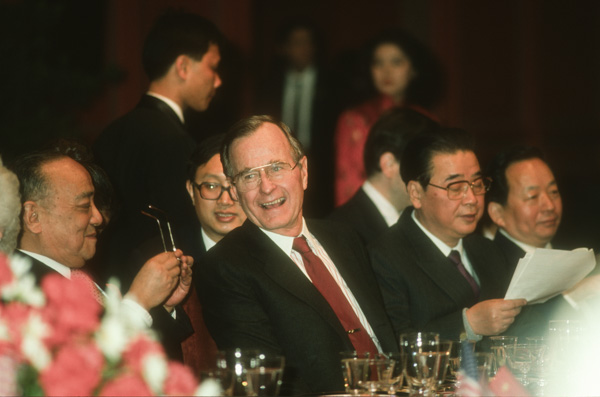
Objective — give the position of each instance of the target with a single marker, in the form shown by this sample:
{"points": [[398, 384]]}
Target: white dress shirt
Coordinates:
{"points": [[389, 213]]}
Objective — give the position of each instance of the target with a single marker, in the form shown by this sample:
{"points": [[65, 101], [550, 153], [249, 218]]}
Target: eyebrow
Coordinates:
{"points": [[84, 196], [259, 166], [452, 177]]}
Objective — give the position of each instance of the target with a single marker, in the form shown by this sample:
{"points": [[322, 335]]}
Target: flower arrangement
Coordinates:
{"points": [[58, 340]]}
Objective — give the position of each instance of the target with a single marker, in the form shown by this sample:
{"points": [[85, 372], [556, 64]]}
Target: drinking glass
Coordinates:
{"points": [[422, 361], [520, 360], [394, 382], [484, 367], [265, 375], [445, 350], [379, 373], [355, 371], [237, 362], [499, 354]]}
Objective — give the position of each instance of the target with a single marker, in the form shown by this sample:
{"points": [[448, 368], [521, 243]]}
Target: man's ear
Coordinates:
{"points": [[496, 213], [182, 66], [304, 171], [31, 217], [389, 165], [415, 193], [190, 190]]}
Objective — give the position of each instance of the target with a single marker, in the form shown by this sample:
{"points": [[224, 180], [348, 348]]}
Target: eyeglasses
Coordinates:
{"points": [[250, 179], [213, 191], [457, 190]]}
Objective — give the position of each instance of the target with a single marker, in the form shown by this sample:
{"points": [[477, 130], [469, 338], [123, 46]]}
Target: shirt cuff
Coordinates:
{"points": [[471, 335], [136, 311]]}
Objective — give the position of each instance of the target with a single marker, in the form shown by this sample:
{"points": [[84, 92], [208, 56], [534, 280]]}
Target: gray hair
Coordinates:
{"points": [[10, 210], [247, 127]]}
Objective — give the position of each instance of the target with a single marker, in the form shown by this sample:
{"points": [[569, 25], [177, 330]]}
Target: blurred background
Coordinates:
{"points": [[514, 72]]}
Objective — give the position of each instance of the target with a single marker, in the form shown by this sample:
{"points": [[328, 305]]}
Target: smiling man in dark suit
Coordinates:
{"points": [[278, 283], [436, 275], [145, 152], [377, 205]]}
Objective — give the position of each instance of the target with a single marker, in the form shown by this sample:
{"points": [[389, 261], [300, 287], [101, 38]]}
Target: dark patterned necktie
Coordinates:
{"points": [[455, 258], [331, 291]]}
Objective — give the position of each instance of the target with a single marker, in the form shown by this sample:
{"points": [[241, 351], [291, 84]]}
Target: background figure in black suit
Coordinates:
{"points": [[255, 285], [425, 284], [524, 202], [218, 214], [60, 227], [145, 152], [377, 205], [299, 91]]}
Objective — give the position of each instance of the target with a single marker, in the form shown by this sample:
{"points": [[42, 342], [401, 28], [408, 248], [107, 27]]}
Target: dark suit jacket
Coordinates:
{"points": [[171, 331], [145, 155], [254, 296], [422, 289], [362, 215]]}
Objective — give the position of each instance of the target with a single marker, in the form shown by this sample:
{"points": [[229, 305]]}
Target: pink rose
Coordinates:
{"points": [[6, 274], [138, 349], [71, 308], [127, 384], [75, 371], [15, 315], [180, 381]]}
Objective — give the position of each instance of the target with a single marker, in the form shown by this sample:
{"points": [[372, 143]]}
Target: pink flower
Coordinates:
{"points": [[127, 384], [71, 308], [138, 349], [15, 315], [6, 274], [75, 371], [180, 381]]}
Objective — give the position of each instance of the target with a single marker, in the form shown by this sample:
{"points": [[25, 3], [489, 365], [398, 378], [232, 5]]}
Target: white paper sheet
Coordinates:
{"points": [[545, 273]]}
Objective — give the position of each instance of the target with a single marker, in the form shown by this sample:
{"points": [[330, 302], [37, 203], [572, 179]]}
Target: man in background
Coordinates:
{"points": [[145, 152], [218, 214], [382, 198]]}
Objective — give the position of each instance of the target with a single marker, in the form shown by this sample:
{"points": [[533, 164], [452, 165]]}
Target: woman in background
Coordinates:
{"points": [[403, 73]]}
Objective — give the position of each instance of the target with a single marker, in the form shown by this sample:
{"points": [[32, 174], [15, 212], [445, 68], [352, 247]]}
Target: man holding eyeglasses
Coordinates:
{"points": [[283, 285], [435, 275]]}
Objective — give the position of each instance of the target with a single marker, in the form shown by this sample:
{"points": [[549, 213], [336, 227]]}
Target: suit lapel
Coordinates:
{"points": [[438, 267], [283, 271]]}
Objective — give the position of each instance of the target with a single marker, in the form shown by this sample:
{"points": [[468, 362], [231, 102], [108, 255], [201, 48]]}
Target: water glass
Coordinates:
{"points": [[237, 362], [356, 373], [422, 361], [265, 375], [499, 354], [394, 382]]}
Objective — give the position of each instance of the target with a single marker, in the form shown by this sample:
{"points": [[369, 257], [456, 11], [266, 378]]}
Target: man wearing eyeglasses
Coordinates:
{"points": [[435, 275], [283, 285], [218, 214]]}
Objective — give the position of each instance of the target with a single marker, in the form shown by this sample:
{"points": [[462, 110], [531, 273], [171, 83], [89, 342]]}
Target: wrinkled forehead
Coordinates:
{"points": [[67, 179], [462, 163], [265, 145]]}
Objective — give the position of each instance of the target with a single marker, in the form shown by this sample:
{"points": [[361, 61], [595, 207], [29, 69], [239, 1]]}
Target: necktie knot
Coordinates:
{"points": [[454, 256], [301, 245]]}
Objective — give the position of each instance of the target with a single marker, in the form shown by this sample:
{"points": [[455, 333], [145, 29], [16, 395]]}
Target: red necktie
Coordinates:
{"points": [[455, 257], [331, 291], [77, 274]]}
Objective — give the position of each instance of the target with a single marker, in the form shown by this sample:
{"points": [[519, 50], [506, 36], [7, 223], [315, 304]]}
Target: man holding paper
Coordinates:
{"points": [[525, 203], [434, 273]]}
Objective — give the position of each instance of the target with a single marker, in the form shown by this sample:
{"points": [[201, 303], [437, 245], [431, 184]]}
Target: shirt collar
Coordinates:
{"points": [[172, 104], [51, 263], [286, 242], [208, 242], [386, 209], [439, 243], [525, 247]]}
